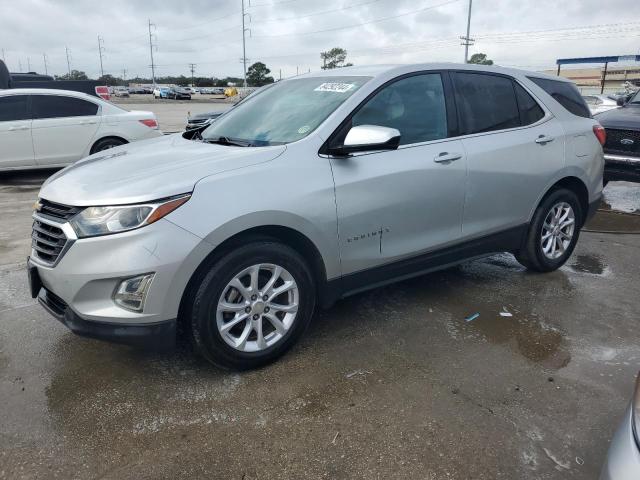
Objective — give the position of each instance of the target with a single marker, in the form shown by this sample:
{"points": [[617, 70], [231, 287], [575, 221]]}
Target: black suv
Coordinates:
{"points": [[622, 148]]}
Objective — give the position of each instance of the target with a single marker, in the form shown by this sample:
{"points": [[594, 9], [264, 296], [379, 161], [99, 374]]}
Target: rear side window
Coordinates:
{"points": [[57, 106], [414, 105], [530, 111], [485, 102], [13, 107], [566, 94]]}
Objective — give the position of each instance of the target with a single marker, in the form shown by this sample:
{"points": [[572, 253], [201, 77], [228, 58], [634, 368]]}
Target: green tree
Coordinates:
{"points": [[258, 75], [334, 58], [74, 75], [480, 59]]}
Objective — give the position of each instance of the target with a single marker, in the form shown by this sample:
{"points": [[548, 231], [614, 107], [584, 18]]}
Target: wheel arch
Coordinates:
{"points": [[577, 186], [285, 235], [105, 137]]}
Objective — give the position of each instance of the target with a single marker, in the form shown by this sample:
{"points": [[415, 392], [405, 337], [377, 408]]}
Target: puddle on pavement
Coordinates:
{"points": [[622, 197], [588, 264], [611, 221]]}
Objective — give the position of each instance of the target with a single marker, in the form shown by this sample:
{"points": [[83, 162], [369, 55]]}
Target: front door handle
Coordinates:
{"points": [[446, 157], [544, 139], [22, 127]]}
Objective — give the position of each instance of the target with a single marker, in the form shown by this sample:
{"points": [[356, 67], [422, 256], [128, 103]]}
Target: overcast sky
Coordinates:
{"points": [[286, 34]]}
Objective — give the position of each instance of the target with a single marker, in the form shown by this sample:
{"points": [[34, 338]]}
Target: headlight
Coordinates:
{"points": [[94, 221]]}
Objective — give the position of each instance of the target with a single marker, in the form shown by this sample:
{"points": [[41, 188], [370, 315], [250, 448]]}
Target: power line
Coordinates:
{"points": [[324, 12], [383, 19]]}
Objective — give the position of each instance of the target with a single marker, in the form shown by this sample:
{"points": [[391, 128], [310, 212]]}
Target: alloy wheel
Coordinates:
{"points": [[558, 230], [257, 307]]}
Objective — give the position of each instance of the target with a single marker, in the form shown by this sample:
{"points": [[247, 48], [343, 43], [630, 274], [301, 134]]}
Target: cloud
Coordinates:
{"points": [[209, 34]]}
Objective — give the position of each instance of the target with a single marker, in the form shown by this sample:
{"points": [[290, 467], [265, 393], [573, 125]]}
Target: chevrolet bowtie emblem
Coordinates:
{"points": [[37, 206]]}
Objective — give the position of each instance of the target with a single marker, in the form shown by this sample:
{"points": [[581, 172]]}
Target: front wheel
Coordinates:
{"points": [[553, 232], [252, 306]]}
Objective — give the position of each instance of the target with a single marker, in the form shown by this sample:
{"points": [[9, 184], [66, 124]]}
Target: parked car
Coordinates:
{"points": [[600, 103], [623, 458], [161, 92], [200, 119], [317, 188], [622, 149], [178, 93], [42, 128], [121, 92]]}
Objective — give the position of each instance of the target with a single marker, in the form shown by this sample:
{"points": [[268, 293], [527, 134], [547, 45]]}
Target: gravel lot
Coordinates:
{"points": [[393, 383]]}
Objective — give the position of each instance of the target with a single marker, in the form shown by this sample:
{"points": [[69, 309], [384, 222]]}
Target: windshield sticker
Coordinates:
{"points": [[304, 129], [334, 87]]}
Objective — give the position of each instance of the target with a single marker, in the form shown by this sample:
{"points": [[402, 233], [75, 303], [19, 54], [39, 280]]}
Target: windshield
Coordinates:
{"points": [[284, 112]]}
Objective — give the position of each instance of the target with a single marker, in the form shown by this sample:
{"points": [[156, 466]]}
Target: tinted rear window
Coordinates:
{"points": [[485, 102], [13, 107], [566, 94], [56, 106], [530, 111]]}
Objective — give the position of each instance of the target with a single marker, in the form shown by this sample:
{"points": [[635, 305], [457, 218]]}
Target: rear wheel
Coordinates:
{"points": [[106, 144], [553, 232], [252, 306]]}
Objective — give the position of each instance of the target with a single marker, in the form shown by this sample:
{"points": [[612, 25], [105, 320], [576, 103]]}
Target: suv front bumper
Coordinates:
{"points": [[78, 289]]}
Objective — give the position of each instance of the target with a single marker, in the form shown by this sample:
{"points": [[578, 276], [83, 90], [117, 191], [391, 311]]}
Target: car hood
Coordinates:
{"points": [[627, 117], [148, 170], [204, 116]]}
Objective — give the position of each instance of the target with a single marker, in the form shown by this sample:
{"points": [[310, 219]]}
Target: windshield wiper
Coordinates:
{"points": [[228, 141]]}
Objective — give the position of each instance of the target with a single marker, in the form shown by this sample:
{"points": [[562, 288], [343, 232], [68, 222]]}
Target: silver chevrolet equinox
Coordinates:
{"points": [[313, 189]]}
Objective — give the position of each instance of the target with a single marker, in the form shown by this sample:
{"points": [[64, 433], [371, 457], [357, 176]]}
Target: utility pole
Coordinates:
{"points": [[68, 62], [28, 64], [153, 66], [124, 75], [192, 67], [466, 39], [20, 65], [100, 50], [44, 59], [244, 44]]}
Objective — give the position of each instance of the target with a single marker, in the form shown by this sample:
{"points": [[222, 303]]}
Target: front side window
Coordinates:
{"points": [[530, 111], [485, 102], [285, 112], [13, 107], [414, 105], [58, 106], [566, 94]]}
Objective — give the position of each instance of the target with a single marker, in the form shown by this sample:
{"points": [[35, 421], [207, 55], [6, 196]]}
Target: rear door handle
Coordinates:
{"points": [[544, 139], [446, 157], [22, 127]]}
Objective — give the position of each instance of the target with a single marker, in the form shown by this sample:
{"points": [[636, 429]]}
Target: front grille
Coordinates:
{"points": [[47, 241], [57, 210], [622, 142]]}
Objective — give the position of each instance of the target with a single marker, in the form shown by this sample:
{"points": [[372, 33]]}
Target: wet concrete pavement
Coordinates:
{"points": [[393, 383]]}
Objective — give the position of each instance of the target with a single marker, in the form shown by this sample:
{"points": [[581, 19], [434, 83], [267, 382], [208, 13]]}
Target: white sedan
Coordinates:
{"points": [[44, 128], [600, 103]]}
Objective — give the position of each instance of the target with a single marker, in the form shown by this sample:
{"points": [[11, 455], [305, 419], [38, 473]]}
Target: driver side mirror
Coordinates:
{"points": [[621, 101], [367, 138]]}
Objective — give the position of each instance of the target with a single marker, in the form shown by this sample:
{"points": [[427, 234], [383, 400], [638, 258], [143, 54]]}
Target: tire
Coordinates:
{"points": [[208, 316], [106, 144], [532, 255]]}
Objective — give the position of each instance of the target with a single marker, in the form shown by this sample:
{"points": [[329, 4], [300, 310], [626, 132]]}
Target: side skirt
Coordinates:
{"points": [[505, 241]]}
